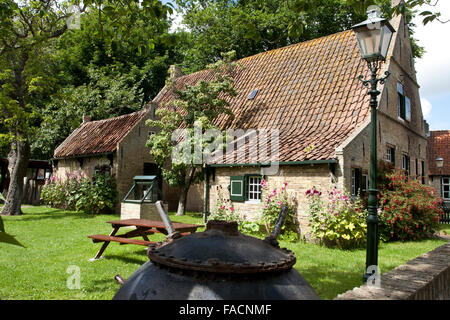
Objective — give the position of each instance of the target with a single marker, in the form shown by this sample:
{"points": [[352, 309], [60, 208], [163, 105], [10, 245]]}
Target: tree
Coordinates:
{"points": [[27, 31], [176, 148], [428, 15], [104, 74], [252, 26]]}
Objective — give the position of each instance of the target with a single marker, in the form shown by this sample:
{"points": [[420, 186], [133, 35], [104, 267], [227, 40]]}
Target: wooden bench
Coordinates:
{"points": [[103, 238], [143, 228]]}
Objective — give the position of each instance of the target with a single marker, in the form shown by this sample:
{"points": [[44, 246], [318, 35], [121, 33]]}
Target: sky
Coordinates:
{"points": [[433, 69]]}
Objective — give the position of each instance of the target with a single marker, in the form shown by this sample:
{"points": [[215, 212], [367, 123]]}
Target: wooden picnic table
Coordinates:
{"points": [[143, 229]]}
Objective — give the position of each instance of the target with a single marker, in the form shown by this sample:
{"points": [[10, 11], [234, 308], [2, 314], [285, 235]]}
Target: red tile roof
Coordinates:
{"points": [[95, 137], [439, 145], [308, 91]]}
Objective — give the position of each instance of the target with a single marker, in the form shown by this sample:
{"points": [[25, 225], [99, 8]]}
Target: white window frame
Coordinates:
{"points": [[254, 189], [389, 154], [404, 162], [446, 183]]}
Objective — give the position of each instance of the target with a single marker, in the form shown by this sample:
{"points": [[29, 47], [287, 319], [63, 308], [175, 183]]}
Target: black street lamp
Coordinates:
{"points": [[374, 37]]}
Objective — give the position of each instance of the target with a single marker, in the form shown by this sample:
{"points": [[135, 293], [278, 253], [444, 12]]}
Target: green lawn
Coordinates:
{"points": [[55, 240]]}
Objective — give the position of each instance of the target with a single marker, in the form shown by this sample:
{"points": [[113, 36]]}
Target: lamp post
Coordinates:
{"points": [[440, 164], [374, 37]]}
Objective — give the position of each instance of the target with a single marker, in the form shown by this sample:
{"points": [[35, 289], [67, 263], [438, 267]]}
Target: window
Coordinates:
{"points": [[403, 104], [365, 184], [102, 169], [356, 181], [446, 188], [406, 163], [390, 155], [417, 168], [245, 188], [254, 188], [423, 172], [253, 94]]}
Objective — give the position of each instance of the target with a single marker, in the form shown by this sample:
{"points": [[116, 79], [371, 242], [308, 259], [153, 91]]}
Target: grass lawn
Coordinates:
{"points": [[55, 240]]}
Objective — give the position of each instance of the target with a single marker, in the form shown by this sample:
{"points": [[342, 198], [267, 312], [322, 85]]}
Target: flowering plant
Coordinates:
{"points": [[225, 211], [81, 193], [340, 222], [409, 210], [273, 202]]}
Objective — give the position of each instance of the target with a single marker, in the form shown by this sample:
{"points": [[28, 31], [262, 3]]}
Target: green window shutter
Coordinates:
{"points": [[237, 188]]}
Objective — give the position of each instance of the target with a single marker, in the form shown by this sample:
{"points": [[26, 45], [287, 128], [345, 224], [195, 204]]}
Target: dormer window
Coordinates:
{"points": [[403, 103]]}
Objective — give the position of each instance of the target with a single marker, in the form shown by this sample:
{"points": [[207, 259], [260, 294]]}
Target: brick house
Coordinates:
{"points": [[310, 92], [439, 146], [116, 145]]}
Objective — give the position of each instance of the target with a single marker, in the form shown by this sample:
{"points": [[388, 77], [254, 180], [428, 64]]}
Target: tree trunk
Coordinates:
{"points": [[182, 201], [181, 210], [18, 159]]}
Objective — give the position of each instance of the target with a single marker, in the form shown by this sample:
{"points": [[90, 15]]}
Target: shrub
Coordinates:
{"points": [[341, 222], [273, 202], [225, 211], [266, 221], [80, 193], [409, 210]]}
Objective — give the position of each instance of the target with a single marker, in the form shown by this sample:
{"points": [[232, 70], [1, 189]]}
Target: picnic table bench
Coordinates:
{"points": [[143, 229]]}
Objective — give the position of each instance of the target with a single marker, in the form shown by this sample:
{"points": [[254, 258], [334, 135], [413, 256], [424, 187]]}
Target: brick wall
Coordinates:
{"points": [[424, 278], [300, 178], [407, 137]]}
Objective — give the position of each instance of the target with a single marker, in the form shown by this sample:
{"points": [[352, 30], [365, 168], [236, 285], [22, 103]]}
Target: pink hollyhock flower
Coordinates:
{"points": [[263, 183], [231, 209], [223, 207]]}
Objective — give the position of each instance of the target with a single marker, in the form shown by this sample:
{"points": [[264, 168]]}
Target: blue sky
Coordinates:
{"points": [[433, 70]]}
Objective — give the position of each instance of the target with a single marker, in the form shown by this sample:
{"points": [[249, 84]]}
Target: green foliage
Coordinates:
{"points": [[273, 202], [409, 210], [80, 193], [193, 108], [225, 211], [339, 222], [265, 222], [254, 26], [109, 67]]}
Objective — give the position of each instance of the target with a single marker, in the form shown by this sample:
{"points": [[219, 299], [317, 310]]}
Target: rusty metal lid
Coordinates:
{"points": [[221, 248]]}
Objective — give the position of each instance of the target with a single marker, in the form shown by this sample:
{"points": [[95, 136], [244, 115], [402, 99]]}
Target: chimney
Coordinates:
{"points": [[86, 118], [175, 72]]}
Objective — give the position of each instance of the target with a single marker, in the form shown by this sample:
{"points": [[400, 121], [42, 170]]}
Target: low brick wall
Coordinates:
{"points": [[424, 278]]}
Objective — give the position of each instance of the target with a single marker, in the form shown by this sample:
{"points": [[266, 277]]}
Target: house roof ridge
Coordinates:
{"points": [[270, 51]]}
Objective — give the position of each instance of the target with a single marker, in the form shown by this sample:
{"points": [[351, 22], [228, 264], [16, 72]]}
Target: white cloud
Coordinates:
{"points": [[433, 69], [426, 108]]}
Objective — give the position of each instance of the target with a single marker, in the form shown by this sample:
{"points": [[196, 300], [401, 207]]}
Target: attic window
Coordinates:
{"points": [[253, 94]]}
